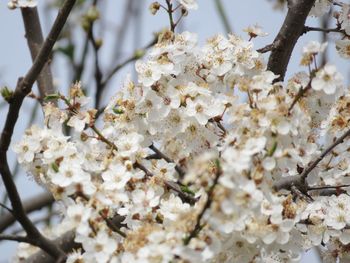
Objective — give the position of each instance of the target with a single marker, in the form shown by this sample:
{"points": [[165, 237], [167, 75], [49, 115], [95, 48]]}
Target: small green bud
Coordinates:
{"points": [[99, 42], [6, 93], [85, 24], [92, 14], [139, 53]]}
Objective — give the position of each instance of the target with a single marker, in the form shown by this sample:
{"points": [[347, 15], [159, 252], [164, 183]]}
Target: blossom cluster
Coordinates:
{"points": [[22, 4], [184, 165]]}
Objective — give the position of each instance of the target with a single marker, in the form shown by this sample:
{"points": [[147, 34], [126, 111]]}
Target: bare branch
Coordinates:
{"points": [[324, 30], [15, 238], [299, 95], [24, 86], [265, 49], [288, 36], [35, 39]]}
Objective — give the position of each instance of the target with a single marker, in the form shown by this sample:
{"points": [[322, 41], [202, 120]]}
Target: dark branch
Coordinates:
{"points": [[15, 238], [98, 72], [24, 86], [291, 30], [265, 49], [65, 243], [35, 39], [324, 30], [299, 95]]}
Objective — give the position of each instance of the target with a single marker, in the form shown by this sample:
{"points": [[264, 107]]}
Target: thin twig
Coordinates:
{"points": [[123, 29], [197, 228], [328, 187], [98, 71], [179, 170], [171, 185], [170, 13], [185, 197], [300, 180], [299, 95], [265, 49], [223, 16], [80, 66], [324, 30], [103, 138], [23, 239]]}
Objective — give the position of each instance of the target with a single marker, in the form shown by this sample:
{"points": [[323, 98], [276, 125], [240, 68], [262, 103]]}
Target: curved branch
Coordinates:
{"points": [[287, 37]]}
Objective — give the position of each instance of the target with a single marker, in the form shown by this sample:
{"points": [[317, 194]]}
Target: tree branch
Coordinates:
{"points": [[291, 30], [24, 86], [30, 205], [324, 30], [35, 39], [300, 180], [15, 238], [65, 243]]}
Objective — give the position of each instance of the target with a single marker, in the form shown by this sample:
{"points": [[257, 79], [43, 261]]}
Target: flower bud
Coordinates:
{"points": [[154, 7]]}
